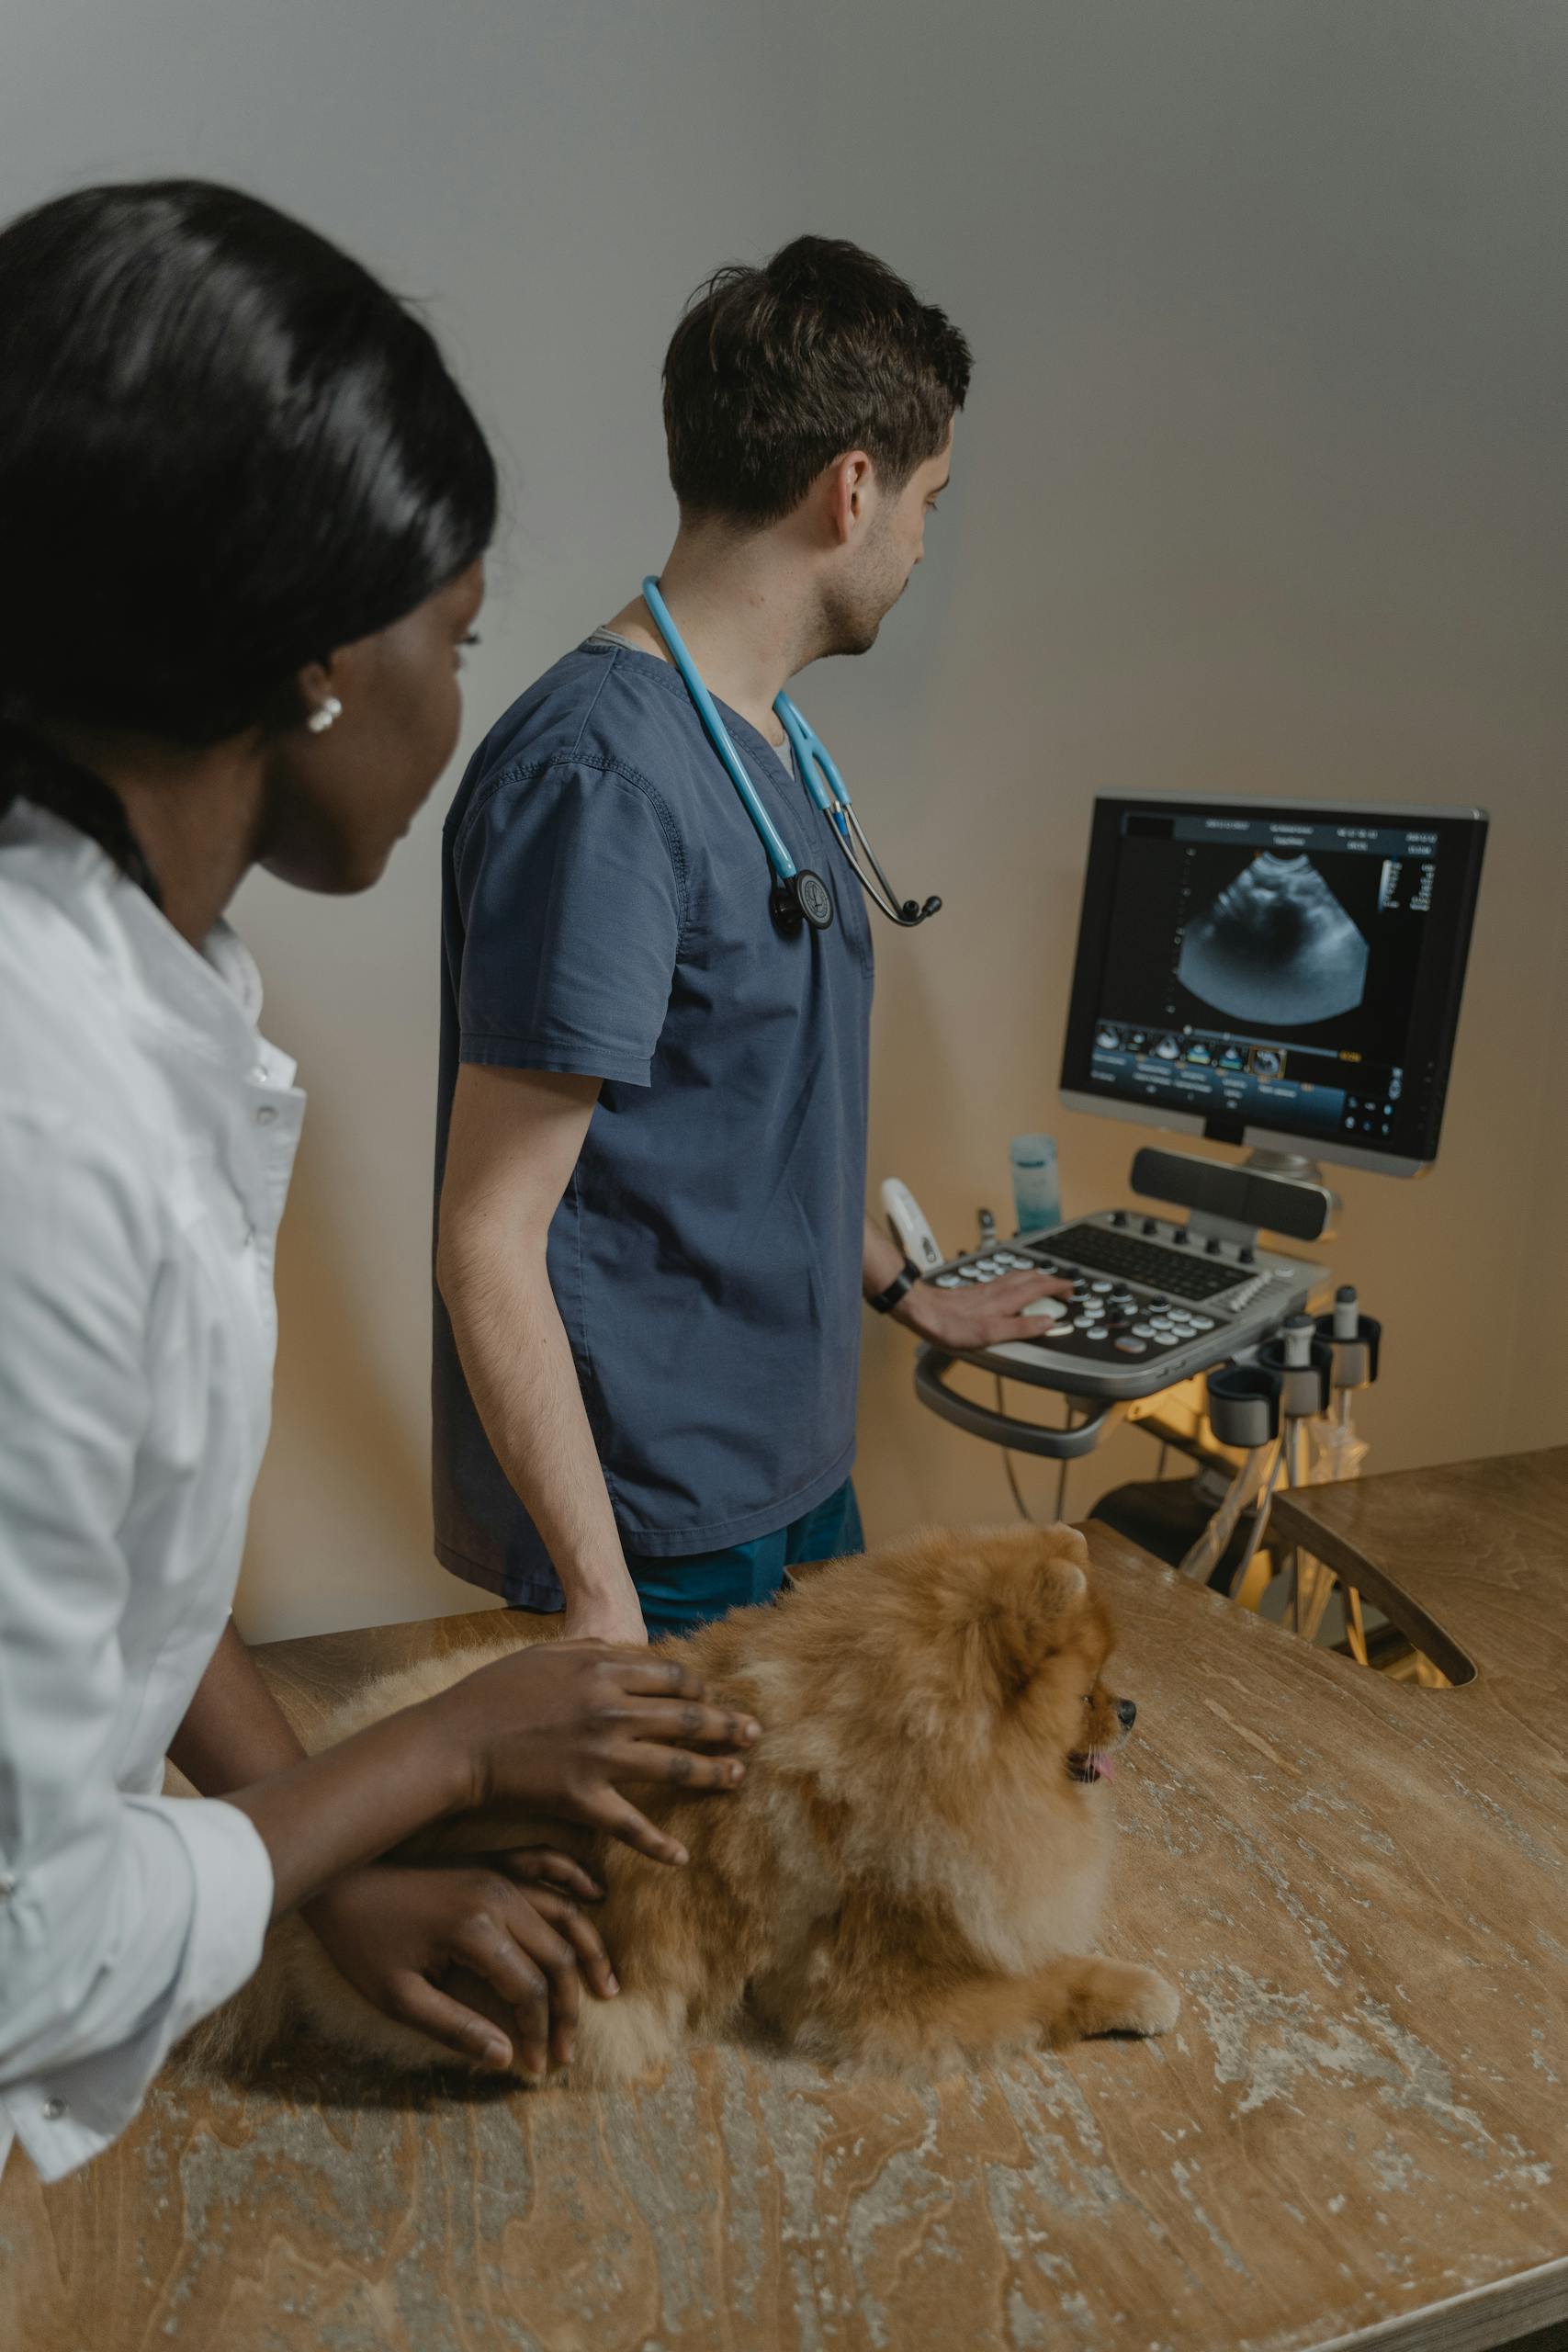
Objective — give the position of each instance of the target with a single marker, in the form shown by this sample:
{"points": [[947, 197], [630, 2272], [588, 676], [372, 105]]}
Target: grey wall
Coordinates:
{"points": [[1262, 487]]}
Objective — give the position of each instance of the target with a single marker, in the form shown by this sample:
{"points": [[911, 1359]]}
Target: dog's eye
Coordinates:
{"points": [[1088, 1698]]}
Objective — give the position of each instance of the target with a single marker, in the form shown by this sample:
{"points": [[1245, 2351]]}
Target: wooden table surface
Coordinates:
{"points": [[1356, 2135]]}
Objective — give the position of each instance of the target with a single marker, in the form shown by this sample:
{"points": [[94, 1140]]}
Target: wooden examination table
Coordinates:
{"points": [[1358, 2135]]}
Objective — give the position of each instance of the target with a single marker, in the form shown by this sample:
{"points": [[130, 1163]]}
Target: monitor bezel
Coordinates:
{"points": [[1434, 1030]]}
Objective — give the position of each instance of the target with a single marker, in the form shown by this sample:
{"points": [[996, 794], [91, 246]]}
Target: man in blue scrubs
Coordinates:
{"points": [[652, 1241]]}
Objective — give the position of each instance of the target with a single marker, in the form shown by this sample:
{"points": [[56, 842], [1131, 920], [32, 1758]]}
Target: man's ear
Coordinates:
{"points": [[850, 480]]}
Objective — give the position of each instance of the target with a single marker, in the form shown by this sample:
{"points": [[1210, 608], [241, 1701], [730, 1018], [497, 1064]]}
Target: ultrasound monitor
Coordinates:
{"points": [[1272, 974]]}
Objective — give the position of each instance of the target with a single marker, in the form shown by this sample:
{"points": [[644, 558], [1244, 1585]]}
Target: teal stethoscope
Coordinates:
{"points": [[798, 896]]}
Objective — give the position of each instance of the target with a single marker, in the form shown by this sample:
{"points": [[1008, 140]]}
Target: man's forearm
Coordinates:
{"points": [[517, 1362], [881, 1261]]}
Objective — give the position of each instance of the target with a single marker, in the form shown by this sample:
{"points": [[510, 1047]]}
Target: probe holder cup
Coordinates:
{"points": [[1243, 1405], [1355, 1360], [1304, 1388]]}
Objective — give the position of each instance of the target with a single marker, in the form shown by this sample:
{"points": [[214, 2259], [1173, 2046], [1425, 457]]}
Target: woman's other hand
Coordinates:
{"points": [[487, 1956]]}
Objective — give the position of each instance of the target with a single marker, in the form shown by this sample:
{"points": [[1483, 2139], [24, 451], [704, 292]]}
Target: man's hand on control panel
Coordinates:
{"points": [[980, 1314]]}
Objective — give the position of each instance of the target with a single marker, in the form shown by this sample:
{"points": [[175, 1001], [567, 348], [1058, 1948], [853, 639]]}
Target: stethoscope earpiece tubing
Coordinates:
{"points": [[718, 733], [798, 897]]}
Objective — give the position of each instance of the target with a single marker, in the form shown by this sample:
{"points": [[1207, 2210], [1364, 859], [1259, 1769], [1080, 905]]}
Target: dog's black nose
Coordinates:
{"points": [[1126, 1713]]}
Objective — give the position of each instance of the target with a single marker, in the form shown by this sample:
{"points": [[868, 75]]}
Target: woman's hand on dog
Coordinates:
{"points": [[501, 1930], [563, 1729]]}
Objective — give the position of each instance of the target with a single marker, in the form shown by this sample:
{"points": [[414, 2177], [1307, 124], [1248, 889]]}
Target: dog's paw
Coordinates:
{"points": [[1144, 2003]]}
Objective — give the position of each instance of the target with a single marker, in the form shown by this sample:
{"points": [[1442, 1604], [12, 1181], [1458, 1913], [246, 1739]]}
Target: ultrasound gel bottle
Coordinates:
{"points": [[1036, 1190]]}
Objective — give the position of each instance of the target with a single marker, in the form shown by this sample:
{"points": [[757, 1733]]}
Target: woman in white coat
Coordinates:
{"points": [[244, 510]]}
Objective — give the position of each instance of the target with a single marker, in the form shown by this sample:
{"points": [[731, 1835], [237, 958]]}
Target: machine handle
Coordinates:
{"points": [[1000, 1428]]}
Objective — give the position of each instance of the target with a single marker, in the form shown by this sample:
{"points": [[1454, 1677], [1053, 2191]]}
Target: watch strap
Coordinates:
{"points": [[904, 1281]]}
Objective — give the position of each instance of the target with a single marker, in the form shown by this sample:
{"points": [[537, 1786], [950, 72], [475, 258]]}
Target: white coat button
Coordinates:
{"points": [[7, 1884], [265, 1113], [53, 2108]]}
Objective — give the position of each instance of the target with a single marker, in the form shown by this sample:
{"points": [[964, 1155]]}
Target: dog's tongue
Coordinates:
{"points": [[1104, 1770]]}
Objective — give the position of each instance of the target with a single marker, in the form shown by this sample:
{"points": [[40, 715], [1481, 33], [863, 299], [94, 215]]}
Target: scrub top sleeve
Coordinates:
{"points": [[570, 882]]}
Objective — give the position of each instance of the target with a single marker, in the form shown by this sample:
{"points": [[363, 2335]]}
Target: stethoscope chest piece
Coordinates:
{"points": [[804, 897]]}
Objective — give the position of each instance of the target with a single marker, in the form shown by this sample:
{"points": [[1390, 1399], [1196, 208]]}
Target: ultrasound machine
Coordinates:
{"points": [[1253, 973]]}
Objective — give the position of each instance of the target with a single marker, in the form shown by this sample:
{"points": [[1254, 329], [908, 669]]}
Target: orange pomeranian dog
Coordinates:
{"points": [[911, 1874]]}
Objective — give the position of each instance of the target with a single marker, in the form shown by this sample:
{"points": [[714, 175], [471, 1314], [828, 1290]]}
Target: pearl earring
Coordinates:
{"points": [[322, 717]]}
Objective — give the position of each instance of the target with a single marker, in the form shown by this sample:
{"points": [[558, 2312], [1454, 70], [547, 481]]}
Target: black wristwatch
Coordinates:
{"points": [[905, 1279]]}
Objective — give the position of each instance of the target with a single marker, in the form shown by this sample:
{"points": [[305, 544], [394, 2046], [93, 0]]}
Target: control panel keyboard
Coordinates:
{"points": [[1152, 1302]]}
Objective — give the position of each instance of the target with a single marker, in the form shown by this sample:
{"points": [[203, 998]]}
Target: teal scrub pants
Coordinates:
{"points": [[679, 1595]]}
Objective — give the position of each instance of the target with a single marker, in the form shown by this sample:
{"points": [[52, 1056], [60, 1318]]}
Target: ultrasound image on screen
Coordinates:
{"points": [[1273, 968], [1276, 948], [1286, 942]]}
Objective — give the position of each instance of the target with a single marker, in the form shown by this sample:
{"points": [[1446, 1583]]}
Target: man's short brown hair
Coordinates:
{"points": [[774, 372]]}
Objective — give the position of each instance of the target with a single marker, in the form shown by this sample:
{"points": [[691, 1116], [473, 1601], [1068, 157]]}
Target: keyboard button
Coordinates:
{"points": [[949, 1282], [1097, 1331], [1159, 1264], [1143, 1331], [1131, 1347]]}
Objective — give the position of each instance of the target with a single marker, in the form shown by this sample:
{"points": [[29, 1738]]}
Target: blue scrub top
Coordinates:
{"points": [[605, 910]]}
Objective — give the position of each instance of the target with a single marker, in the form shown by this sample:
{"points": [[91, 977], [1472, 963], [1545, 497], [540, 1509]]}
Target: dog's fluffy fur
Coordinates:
{"points": [[912, 1873]]}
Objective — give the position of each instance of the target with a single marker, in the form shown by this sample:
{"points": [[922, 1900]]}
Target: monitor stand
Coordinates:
{"points": [[1292, 1165], [1294, 1168]]}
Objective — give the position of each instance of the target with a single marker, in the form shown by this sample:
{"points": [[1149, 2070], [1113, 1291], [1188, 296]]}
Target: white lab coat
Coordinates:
{"points": [[147, 1133]]}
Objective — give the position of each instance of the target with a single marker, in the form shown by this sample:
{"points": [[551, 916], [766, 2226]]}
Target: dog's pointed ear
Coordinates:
{"points": [[1066, 1564], [1066, 1580], [1037, 1585]]}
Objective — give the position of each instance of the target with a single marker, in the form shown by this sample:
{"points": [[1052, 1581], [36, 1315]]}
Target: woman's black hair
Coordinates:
{"points": [[225, 451]]}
